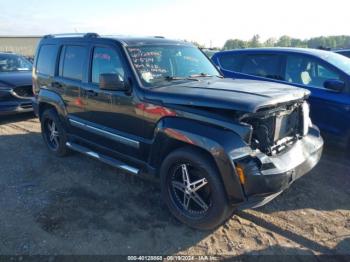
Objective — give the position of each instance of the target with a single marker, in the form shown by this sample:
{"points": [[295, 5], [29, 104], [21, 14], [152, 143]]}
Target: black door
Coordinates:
{"points": [[111, 117], [71, 78]]}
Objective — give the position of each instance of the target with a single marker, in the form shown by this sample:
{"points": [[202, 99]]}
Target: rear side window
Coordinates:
{"points": [[47, 60], [72, 62], [231, 62], [263, 65]]}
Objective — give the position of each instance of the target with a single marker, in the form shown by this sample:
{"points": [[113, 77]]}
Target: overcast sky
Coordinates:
{"points": [[202, 21]]}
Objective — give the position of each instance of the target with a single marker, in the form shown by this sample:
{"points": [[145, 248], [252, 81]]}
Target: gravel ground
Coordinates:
{"points": [[76, 205]]}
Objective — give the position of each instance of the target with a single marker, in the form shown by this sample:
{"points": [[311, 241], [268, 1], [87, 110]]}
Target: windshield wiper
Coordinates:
{"points": [[204, 75], [175, 78], [171, 78]]}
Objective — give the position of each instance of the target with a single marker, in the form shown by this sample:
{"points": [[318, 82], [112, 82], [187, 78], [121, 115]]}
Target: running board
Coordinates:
{"points": [[105, 159]]}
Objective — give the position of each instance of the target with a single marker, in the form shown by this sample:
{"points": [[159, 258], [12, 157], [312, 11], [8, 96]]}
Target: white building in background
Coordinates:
{"points": [[24, 45]]}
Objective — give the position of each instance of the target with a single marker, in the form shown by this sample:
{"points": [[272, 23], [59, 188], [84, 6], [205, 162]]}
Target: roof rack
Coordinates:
{"points": [[158, 36], [85, 35]]}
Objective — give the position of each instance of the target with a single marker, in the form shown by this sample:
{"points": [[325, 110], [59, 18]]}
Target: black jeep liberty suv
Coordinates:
{"points": [[158, 107]]}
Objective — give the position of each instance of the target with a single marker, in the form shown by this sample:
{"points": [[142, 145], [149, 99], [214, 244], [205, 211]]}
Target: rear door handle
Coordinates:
{"points": [[91, 93]]}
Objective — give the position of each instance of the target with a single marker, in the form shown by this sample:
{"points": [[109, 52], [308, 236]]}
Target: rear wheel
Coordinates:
{"points": [[53, 133], [192, 189]]}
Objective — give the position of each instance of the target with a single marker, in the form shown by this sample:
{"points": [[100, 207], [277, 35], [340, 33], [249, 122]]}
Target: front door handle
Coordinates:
{"points": [[91, 93]]}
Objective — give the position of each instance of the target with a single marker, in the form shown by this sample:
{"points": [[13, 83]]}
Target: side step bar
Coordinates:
{"points": [[105, 159]]}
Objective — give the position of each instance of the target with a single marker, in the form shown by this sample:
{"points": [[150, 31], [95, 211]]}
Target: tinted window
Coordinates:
{"points": [[47, 60], [14, 63], [73, 62], [262, 65], [231, 62], [308, 71], [106, 61]]}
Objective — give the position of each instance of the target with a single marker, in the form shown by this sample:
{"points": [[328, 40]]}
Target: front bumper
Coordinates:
{"points": [[267, 176], [9, 103]]}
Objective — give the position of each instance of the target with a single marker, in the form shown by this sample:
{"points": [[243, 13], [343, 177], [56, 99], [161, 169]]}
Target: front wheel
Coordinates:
{"points": [[192, 189]]}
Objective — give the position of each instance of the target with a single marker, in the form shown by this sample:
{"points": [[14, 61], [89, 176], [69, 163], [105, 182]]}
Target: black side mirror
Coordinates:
{"points": [[335, 85], [112, 82]]}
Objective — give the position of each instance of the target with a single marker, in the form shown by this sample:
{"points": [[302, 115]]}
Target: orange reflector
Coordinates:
{"points": [[240, 174]]}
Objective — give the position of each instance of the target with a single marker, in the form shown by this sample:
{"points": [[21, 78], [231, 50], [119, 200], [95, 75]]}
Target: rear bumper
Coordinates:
{"points": [[267, 176]]}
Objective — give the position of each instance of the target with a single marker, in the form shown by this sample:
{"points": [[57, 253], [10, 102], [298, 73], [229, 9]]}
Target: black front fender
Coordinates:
{"points": [[216, 141]]}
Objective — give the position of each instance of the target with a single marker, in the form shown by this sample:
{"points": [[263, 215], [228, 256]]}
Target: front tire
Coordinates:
{"points": [[53, 132], [192, 189]]}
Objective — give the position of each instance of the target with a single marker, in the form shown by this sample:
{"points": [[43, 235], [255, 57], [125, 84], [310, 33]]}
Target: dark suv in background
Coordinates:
{"points": [[15, 84], [158, 107]]}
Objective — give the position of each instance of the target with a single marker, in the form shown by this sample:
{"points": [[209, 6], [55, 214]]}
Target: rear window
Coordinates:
{"points": [[262, 65], [47, 60], [72, 62], [231, 62]]}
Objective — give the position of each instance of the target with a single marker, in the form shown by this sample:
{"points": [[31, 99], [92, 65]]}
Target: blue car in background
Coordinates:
{"points": [[325, 74]]}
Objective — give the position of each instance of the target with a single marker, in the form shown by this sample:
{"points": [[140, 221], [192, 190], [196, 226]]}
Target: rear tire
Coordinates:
{"points": [[53, 133], [197, 199]]}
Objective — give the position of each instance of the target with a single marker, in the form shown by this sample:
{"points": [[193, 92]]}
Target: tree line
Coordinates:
{"points": [[322, 42]]}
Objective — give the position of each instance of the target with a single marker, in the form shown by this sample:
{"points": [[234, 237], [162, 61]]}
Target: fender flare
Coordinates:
{"points": [[49, 97], [215, 141]]}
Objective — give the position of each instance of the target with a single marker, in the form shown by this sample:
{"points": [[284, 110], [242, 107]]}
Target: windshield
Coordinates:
{"points": [[156, 65], [339, 61], [14, 63]]}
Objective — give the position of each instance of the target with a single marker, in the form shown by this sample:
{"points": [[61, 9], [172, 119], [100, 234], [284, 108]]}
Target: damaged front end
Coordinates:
{"points": [[284, 146], [274, 129]]}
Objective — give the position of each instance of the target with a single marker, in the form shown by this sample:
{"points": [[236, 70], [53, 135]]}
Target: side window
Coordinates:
{"points": [[72, 62], [230, 62], [308, 71], [106, 61], [325, 73], [263, 65], [47, 60]]}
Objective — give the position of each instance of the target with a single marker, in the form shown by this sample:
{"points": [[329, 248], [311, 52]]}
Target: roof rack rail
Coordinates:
{"points": [[86, 35], [158, 36]]}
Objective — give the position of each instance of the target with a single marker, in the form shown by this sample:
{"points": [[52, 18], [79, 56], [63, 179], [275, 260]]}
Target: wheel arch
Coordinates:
{"points": [[213, 142], [49, 99]]}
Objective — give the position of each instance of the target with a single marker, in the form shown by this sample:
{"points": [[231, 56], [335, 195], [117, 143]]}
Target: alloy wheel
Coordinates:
{"points": [[52, 134], [190, 189]]}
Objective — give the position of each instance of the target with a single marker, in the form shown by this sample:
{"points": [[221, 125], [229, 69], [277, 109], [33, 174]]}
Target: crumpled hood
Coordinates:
{"points": [[238, 94], [13, 79]]}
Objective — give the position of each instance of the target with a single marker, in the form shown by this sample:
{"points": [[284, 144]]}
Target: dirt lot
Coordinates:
{"points": [[76, 205]]}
